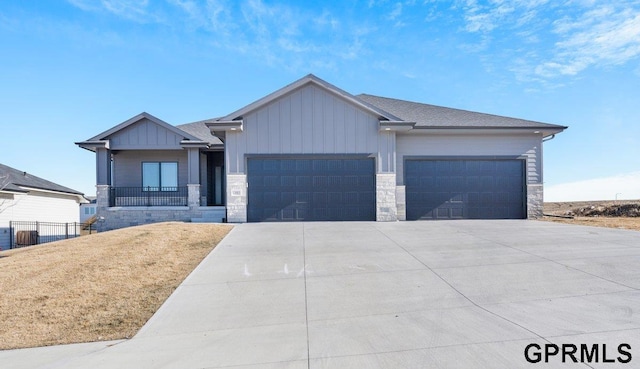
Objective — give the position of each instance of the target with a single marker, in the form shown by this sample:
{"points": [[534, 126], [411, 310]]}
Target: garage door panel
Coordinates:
{"points": [[301, 181], [310, 189], [303, 165], [320, 182], [303, 197], [464, 188], [366, 181], [288, 198], [287, 181]]}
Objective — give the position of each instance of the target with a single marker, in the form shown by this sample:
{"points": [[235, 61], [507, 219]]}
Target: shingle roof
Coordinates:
{"points": [[201, 131], [426, 115], [12, 180]]}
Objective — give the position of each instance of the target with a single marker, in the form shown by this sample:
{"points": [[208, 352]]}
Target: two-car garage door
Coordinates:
{"points": [[308, 188], [465, 189]]}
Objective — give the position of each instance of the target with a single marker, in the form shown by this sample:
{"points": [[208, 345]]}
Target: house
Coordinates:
{"points": [[25, 197], [311, 151]]}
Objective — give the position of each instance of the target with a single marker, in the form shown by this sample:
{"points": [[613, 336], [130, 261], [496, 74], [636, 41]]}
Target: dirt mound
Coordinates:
{"points": [[623, 210]]}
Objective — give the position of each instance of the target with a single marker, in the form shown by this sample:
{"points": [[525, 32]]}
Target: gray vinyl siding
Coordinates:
{"points": [[309, 120], [431, 145], [203, 173], [128, 166], [144, 134]]}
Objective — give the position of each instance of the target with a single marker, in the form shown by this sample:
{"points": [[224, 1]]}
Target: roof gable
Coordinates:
{"points": [[14, 180], [144, 115], [144, 131], [309, 79]]}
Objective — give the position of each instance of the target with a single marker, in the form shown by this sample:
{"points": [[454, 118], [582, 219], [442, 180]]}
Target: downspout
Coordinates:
{"points": [[549, 138]]}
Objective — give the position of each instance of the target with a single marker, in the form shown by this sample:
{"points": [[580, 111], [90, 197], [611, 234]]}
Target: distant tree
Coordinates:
{"points": [[6, 200]]}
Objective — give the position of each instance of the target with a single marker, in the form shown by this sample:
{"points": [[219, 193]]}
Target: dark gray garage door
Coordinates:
{"points": [[297, 189], [465, 189]]}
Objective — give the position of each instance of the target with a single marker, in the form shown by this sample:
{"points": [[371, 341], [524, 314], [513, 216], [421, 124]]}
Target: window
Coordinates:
{"points": [[159, 176], [89, 210]]}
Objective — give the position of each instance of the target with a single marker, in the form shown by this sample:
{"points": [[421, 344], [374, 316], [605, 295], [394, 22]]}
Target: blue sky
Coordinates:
{"points": [[72, 69]]}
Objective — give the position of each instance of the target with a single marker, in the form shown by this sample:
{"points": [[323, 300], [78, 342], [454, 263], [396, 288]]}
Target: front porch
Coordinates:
{"points": [[120, 207], [149, 171]]}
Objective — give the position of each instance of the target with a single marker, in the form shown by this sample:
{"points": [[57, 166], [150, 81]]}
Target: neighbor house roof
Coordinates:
{"points": [[18, 181], [432, 116]]}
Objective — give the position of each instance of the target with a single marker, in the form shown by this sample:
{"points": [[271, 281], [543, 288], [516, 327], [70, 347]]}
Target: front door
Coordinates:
{"points": [[215, 179]]}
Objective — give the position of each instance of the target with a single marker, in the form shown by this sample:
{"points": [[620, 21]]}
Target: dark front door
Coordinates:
{"points": [[215, 179], [311, 188], [465, 189]]}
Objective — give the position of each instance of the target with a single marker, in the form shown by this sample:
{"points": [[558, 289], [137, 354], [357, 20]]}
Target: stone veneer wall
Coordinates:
{"points": [[236, 198], [386, 197], [535, 201]]}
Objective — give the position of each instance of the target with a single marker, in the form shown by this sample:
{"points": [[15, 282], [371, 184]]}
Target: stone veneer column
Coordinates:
{"points": [[401, 202], [102, 204], [386, 197], [535, 201], [194, 195], [236, 198]]}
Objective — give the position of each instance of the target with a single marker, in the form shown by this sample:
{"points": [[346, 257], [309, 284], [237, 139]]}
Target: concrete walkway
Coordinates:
{"points": [[460, 294]]}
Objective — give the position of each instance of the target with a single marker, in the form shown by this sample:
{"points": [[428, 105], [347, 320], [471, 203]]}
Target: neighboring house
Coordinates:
{"points": [[311, 151], [88, 209], [25, 197]]}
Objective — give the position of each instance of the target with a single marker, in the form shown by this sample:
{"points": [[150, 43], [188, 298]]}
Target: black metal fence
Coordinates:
{"points": [[34, 233], [149, 196]]}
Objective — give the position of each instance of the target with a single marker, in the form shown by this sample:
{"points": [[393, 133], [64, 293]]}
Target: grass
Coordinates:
{"points": [[98, 287], [563, 208], [608, 222]]}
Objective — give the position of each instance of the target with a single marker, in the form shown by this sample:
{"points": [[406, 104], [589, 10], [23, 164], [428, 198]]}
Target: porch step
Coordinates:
{"points": [[206, 220], [211, 216]]}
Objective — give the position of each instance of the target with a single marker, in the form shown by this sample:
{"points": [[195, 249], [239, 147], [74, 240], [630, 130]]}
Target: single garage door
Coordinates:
{"points": [[465, 189], [307, 189]]}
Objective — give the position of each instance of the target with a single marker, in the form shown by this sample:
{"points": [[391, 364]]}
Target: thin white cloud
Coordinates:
{"points": [[396, 12], [625, 186], [134, 10], [326, 19], [574, 35], [126, 8], [600, 37]]}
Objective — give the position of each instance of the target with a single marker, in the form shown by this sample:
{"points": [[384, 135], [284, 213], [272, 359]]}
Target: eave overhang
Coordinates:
{"points": [[197, 144], [94, 145], [544, 131], [395, 126], [221, 127]]}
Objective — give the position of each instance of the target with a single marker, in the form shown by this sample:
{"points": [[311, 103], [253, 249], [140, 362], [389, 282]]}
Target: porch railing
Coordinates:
{"points": [[149, 196]]}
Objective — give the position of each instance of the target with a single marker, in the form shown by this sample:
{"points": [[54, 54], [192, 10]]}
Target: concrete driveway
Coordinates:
{"points": [[446, 294]]}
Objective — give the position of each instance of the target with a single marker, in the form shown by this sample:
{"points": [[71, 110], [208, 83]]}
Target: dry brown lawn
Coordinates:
{"points": [[103, 286], [562, 208], [609, 222]]}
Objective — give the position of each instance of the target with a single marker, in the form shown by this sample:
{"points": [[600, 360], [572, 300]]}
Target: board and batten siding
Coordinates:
{"points": [[144, 134], [467, 145], [37, 206], [127, 165], [310, 120]]}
